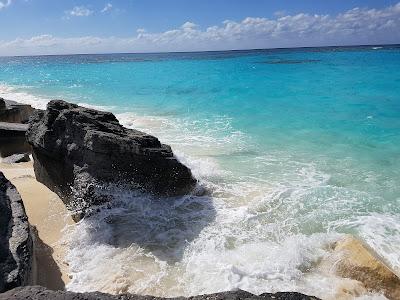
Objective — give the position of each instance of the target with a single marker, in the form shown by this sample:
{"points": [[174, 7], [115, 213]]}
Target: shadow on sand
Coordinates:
{"points": [[46, 271]]}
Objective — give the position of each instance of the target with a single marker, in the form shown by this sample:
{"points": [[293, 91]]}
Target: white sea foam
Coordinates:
{"points": [[12, 93], [20, 94]]}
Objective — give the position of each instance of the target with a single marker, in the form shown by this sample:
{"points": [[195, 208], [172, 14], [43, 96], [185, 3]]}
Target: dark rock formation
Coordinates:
{"points": [[16, 158], [77, 151], [14, 112], [12, 139], [40, 293], [15, 239], [12, 129]]}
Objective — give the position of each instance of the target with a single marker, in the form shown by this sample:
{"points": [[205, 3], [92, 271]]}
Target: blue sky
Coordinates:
{"points": [[52, 26]]}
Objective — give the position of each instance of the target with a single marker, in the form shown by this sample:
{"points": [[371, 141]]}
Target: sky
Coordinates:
{"points": [[32, 27]]}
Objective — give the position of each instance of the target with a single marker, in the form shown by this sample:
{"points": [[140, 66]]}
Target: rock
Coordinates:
{"points": [[357, 261], [8, 129], [40, 293], [14, 112], [79, 151], [12, 139], [16, 158], [16, 247]]}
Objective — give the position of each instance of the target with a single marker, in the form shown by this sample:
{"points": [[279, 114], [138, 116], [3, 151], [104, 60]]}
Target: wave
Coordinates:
{"points": [[17, 94], [22, 94], [264, 226]]}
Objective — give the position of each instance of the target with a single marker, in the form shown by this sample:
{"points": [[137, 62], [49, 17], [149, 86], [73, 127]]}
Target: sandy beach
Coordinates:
{"points": [[48, 215]]}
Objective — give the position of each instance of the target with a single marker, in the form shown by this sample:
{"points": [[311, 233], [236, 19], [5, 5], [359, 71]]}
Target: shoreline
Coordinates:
{"points": [[48, 215]]}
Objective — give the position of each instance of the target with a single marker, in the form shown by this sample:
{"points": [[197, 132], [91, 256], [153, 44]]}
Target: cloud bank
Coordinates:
{"points": [[356, 26]]}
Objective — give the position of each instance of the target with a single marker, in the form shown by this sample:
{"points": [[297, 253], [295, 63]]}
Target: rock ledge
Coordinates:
{"points": [[40, 293]]}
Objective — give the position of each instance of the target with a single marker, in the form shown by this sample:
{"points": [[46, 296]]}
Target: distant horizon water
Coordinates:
{"points": [[210, 51], [297, 147]]}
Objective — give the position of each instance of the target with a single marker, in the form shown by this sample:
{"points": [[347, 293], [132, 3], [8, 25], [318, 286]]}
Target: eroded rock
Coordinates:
{"points": [[352, 259], [14, 112], [16, 158], [78, 151], [40, 293], [16, 247], [12, 139]]}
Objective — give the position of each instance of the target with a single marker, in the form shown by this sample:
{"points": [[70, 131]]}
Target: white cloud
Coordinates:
{"points": [[107, 8], [79, 11], [356, 26], [5, 4]]}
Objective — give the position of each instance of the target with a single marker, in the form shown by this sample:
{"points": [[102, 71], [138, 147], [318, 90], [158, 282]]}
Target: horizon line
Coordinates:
{"points": [[206, 51]]}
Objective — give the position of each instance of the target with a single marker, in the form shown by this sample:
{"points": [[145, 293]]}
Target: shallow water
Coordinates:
{"points": [[297, 147]]}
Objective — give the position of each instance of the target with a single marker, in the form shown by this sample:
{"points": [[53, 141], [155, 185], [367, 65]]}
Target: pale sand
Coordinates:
{"points": [[48, 214]]}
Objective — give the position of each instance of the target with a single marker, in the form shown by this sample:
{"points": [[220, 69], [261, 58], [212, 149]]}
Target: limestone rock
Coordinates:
{"points": [[77, 151], [16, 158], [40, 293], [357, 261], [16, 248], [14, 112], [12, 139]]}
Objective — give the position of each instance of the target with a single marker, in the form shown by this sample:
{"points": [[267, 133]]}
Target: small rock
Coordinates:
{"points": [[16, 158]]}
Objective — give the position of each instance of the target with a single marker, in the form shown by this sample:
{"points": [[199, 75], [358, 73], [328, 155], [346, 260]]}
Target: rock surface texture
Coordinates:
{"points": [[357, 261], [14, 112], [79, 151], [40, 293], [16, 158], [16, 248], [12, 139]]}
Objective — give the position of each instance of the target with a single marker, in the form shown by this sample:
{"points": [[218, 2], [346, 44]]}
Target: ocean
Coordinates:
{"points": [[295, 147]]}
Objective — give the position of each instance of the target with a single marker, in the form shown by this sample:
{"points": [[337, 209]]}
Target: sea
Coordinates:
{"points": [[294, 148]]}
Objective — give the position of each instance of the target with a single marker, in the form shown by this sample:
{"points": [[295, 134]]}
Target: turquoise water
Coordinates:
{"points": [[297, 148]]}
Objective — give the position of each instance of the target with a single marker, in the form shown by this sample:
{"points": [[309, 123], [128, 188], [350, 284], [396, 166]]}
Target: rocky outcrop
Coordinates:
{"points": [[353, 259], [14, 112], [40, 293], [78, 151], [12, 139], [13, 115], [15, 239]]}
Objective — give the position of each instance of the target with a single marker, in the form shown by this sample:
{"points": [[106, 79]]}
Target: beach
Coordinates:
{"points": [[48, 215]]}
